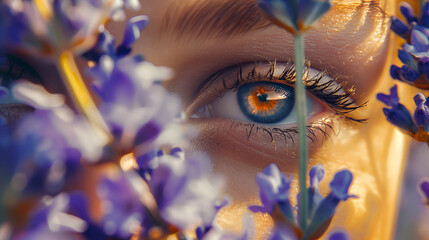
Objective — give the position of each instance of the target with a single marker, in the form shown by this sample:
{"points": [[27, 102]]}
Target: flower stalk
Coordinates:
{"points": [[301, 110], [79, 93]]}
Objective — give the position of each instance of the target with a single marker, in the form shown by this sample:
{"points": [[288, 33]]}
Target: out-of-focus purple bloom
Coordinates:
{"points": [[105, 44], [326, 208], [415, 53], [416, 126], [50, 27], [46, 158], [64, 215], [135, 105], [185, 194], [423, 189], [316, 175], [203, 230], [274, 189], [123, 210], [273, 186], [248, 232], [338, 235], [413, 21], [294, 16]]}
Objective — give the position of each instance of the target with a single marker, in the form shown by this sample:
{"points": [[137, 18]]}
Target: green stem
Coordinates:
{"points": [[301, 105]]}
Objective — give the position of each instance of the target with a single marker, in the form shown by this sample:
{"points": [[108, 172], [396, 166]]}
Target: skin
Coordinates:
{"points": [[351, 43]]}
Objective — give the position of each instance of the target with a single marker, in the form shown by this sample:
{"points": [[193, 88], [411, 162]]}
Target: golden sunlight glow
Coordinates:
{"points": [[128, 162]]}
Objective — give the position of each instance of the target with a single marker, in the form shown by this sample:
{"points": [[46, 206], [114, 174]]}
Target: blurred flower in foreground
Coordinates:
{"points": [[52, 26], [274, 193], [423, 188], [416, 126], [294, 16], [415, 53]]}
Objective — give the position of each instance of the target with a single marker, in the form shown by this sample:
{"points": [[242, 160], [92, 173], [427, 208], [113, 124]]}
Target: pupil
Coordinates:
{"points": [[262, 97], [265, 102]]}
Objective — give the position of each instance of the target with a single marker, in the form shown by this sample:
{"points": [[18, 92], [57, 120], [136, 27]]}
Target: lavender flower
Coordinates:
{"points": [[105, 44], [423, 189], [274, 193], [184, 193], [339, 235], [130, 87], [63, 216], [49, 28], [123, 211], [45, 159], [294, 16], [416, 126], [415, 52]]}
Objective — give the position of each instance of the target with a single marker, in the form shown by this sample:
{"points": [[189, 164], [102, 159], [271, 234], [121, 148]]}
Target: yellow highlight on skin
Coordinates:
{"points": [[79, 92]]}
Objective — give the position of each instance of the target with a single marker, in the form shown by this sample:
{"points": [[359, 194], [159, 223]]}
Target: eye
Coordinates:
{"points": [[263, 93], [260, 102]]}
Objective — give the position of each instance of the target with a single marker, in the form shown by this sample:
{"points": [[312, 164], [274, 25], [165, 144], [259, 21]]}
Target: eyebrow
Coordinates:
{"points": [[223, 19], [213, 19]]}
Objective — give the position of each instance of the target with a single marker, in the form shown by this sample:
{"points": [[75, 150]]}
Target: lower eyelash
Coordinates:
{"points": [[322, 128]]}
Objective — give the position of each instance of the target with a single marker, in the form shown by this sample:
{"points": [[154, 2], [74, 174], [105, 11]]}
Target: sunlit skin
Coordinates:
{"points": [[350, 43]]}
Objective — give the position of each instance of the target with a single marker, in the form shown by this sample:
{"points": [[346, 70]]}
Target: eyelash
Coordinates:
{"points": [[329, 92]]}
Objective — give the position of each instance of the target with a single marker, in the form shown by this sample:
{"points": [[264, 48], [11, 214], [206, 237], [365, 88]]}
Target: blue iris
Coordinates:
{"points": [[265, 102]]}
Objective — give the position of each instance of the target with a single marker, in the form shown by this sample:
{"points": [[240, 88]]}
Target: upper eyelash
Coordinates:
{"points": [[341, 103]]}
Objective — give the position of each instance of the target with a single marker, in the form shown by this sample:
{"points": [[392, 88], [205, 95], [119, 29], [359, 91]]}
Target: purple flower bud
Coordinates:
{"points": [[273, 187], [408, 12], [423, 189], [424, 20], [132, 33], [423, 66], [409, 74], [123, 211], [407, 58], [390, 100], [395, 72], [400, 28], [421, 114], [294, 16], [339, 235], [316, 174], [340, 185], [419, 41], [400, 117]]}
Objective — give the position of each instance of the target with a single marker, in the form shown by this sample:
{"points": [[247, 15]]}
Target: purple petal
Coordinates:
{"points": [[395, 72], [400, 117], [339, 235], [424, 20], [407, 10], [421, 114], [409, 74], [316, 174], [133, 28], [419, 41], [400, 28], [423, 189], [341, 183], [390, 100], [407, 58], [423, 66]]}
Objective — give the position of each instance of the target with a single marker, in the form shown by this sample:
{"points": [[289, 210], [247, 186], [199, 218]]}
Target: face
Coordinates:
{"points": [[229, 61]]}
